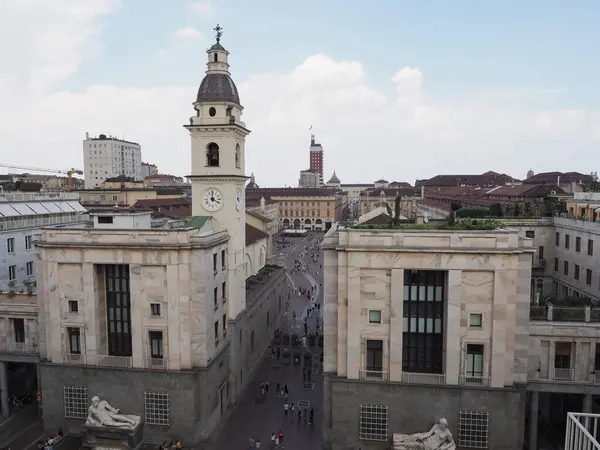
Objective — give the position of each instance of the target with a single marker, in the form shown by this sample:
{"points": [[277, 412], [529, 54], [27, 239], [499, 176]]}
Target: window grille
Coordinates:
{"points": [[473, 429], [76, 402], [374, 422], [157, 408]]}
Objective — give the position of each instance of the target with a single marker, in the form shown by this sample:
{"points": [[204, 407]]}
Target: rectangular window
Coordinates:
{"points": [[422, 325], [29, 268], [215, 263], [475, 320], [156, 344], [473, 429], [10, 245], [155, 309], [12, 273], [223, 260], [373, 423], [224, 323], [557, 239], [76, 402], [567, 241], [541, 252], [474, 360], [588, 277], [73, 306], [27, 242], [118, 310], [19, 330], [530, 234], [106, 219], [224, 291], [374, 316], [556, 264], [562, 357], [590, 247], [216, 297], [578, 244], [374, 355], [216, 332], [74, 340], [157, 408], [566, 268], [576, 275]]}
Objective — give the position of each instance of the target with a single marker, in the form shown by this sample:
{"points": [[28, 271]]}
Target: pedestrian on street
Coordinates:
{"points": [[286, 408]]}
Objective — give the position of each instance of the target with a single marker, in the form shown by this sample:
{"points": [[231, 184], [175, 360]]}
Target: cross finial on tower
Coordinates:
{"points": [[219, 31]]}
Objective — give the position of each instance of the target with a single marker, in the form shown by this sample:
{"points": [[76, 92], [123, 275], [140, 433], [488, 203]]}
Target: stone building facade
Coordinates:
{"points": [[307, 209], [169, 323], [424, 324]]}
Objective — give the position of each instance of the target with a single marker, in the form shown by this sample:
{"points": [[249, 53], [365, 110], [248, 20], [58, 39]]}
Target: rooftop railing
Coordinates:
{"points": [[552, 313], [423, 378]]}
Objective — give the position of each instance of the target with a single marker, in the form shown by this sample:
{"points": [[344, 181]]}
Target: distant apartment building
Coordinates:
{"points": [[22, 215], [107, 157], [148, 169], [309, 179]]}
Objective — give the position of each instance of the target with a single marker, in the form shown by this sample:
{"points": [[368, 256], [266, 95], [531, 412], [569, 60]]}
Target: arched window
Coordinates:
{"points": [[212, 155], [238, 156], [216, 57]]}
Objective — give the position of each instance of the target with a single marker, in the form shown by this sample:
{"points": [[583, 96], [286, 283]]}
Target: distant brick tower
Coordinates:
{"points": [[316, 158]]}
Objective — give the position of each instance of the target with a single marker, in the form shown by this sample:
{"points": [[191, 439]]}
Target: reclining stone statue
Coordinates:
{"points": [[101, 414], [438, 438]]}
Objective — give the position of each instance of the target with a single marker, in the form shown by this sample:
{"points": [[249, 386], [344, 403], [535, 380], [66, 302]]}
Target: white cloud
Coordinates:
{"points": [[203, 8], [396, 129], [188, 34]]}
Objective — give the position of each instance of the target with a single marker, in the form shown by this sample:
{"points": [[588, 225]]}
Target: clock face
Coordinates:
{"points": [[238, 199], [212, 200]]}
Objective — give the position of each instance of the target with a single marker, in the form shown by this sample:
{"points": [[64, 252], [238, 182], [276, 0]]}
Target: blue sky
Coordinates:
{"points": [[460, 45], [468, 86]]}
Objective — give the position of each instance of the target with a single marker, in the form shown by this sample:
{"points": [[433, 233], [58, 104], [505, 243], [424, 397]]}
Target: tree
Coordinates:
{"points": [[394, 215]]}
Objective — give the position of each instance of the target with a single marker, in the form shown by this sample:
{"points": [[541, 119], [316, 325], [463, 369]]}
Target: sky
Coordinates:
{"points": [[397, 89]]}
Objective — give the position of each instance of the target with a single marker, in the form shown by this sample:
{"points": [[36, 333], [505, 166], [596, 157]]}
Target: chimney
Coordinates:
{"points": [[87, 135], [422, 192], [558, 181]]}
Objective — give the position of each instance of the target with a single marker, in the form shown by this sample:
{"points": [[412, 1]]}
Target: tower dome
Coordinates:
{"points": [[530, 173], [217, 85]]}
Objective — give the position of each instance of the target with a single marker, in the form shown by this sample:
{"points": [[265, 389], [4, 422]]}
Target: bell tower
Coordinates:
{"points": [[218, 178]]}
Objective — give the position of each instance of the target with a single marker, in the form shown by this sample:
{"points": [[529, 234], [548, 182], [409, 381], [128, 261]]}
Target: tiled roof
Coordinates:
{"points": [[525, 190], [254, 235], [489, 179], [553, 178], [169, 191], [391, 192], [155, 202], [289, 192], [121, 178]]}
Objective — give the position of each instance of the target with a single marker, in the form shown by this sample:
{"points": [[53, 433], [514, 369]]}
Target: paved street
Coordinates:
{"points": [[256, 419], [22, 430]]}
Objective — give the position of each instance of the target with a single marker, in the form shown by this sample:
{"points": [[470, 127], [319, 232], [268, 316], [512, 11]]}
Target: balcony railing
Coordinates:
{"points": [[121, 362], [582, 431], [552, 313], [73, 358], [157, 363], [563, 374], [381, 375], [423, 378], [21, 348], [470, 380]]}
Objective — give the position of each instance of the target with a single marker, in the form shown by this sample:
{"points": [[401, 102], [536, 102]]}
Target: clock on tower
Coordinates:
{"points": [[218, 137]]}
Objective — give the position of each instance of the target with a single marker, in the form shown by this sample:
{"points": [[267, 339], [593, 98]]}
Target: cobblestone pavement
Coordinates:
{"points": [[254, 418]]}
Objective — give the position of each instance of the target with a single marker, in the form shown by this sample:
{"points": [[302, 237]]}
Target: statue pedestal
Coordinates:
{"points": [[110, 438]]}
